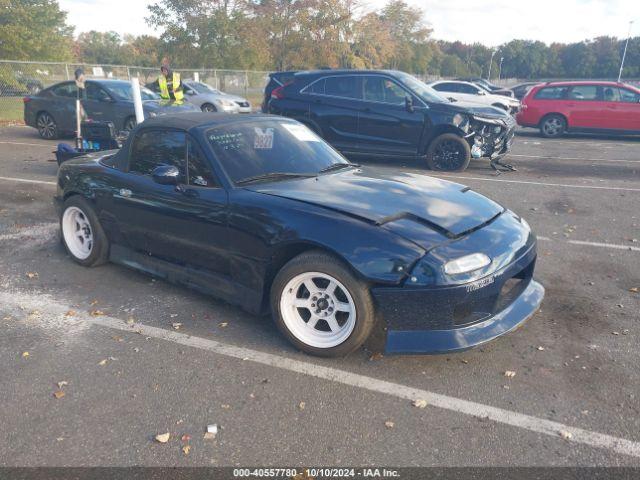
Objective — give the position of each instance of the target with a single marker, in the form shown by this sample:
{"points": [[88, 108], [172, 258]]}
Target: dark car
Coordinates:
{"points": [[259, 211], [392, 114], [53, 110], [276, 79], [521, 89]]}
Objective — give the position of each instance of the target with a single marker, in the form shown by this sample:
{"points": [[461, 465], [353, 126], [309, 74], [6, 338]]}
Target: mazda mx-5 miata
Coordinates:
{"points": [[260, 212]]}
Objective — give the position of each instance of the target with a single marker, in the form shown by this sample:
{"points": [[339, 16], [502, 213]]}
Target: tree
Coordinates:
{"points": [[407, 30], [34, 30], [101, 47]]}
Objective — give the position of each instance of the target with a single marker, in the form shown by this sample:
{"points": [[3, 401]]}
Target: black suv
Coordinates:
{"points": [[393, 114]]}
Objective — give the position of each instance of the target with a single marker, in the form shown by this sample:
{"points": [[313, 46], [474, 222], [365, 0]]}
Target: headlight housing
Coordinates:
{"points": [[227, 103], [467, 264], [461, 121]]}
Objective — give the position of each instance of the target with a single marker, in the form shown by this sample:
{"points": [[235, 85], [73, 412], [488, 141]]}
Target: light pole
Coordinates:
{"points": [[624, 53], [493, 52], [500, 69]]}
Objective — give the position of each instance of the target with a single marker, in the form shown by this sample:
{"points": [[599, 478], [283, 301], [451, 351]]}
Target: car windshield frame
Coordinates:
{"points": [[420, 89], [286, 170], [116, 90]]}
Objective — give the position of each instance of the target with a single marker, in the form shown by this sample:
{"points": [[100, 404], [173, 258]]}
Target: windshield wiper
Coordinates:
{"points": [[272, 176], [338, 166]]}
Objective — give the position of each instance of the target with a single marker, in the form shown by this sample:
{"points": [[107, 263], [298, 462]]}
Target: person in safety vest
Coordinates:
{"points": [[169, 84]]}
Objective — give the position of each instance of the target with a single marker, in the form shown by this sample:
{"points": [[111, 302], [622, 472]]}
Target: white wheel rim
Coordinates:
{"points": [[318, 310], [77, 232]]}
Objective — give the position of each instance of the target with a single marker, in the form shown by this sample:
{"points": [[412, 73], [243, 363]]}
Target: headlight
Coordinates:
{"points": [[152, 114], [461, 121], [227, 103], [466, 264]]}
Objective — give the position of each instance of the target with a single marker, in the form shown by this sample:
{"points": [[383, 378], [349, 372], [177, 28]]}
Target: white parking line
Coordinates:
{"points": [[27, 180], [542, 184], [582, 159], [592, 244], [607, 143], [48, 306], [28, 144]]}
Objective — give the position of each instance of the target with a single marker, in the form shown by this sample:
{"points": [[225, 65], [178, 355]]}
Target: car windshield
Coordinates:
{"points": [[271, 150], [421, 89], [123, 91], [202, 87]]}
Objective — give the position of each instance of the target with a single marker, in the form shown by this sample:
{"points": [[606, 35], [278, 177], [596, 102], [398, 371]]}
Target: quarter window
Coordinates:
{"points": [[317, 87], [342, 86], [551, 93], [382, 89], [628, 96], [153, 148]]}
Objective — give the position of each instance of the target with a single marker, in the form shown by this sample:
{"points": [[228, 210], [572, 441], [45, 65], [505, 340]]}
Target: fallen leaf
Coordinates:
{"points": [[566, 435], [213, 428], [93, 302], [25, 354], [58, 394], [173, 315], [130, 320], [186, 449], [225, 406], [223, 324], [209, 436], [70, 313], [186, 437], [62, 383], [510, 373], [176, 326], [117, 338], [102, 363], [32, 275], [634, 289], [301, 405], [541, 348], [96, 313], [163, 437], [376, 356], [420, 403], [464, 361], [389, 424], [615, 333]]}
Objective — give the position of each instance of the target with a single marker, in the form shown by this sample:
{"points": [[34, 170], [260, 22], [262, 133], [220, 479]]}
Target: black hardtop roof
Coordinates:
{"points": [[190, 120]]}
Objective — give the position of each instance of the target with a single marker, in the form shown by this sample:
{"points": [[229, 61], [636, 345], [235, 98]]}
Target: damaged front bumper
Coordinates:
{"points": [[489, 137]]}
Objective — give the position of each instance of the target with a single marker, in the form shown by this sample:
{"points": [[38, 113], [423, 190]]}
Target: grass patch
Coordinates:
{"points": [[11, 109]]}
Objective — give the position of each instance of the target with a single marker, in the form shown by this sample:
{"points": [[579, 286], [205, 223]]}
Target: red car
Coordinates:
{"points": [[593, 107]]}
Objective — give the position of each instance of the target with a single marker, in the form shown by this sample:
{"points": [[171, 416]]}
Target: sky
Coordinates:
{"points": [[490, 22]]}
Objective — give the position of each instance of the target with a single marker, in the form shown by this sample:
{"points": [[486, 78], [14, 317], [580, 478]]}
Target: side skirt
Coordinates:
{"points": [[200, 280]]}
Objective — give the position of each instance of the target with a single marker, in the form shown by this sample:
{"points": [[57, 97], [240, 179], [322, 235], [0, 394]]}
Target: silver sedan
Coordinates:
{"points": [[210, 99]]}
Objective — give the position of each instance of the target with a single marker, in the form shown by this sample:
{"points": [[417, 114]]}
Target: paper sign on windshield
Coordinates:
{"points": [[263, 139], [301, 132]]}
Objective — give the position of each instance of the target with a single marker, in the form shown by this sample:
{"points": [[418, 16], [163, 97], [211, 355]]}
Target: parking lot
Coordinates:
{"points": [[99, 361]]}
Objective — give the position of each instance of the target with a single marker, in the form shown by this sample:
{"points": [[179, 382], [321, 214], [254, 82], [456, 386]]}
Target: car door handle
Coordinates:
{"points": [[124, 192]]}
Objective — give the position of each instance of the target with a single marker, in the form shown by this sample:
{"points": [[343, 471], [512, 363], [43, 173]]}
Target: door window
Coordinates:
{"points": [[382, 89], [342, 86], [200, 172], [627, 96], [65, 90], [153, 148], [464, 88], [447, 87], [584, 92], [97, 93]]}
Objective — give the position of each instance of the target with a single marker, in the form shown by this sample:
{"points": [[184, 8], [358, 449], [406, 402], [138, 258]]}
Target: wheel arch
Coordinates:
{"points": [[438, 130]]}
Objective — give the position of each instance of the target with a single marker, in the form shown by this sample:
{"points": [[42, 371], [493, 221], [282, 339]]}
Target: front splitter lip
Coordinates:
{"points": [[459, 339]]}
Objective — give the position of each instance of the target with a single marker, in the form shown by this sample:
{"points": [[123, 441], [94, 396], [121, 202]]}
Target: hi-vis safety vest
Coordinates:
{"points": [[175, 84]]}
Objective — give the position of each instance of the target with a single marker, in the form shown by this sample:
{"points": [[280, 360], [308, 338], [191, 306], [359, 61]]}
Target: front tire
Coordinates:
{"points": [[47, 126], [320, 306], [448, 153], [82, 235], [553, 126], [208, 107]]}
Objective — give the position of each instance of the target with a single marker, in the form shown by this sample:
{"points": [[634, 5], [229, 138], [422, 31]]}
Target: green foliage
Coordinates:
{"points": [[34, 30]]}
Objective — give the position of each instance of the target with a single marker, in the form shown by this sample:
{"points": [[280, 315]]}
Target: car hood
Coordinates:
{"points": [[168, 106], [404, 203], [477, 109]]}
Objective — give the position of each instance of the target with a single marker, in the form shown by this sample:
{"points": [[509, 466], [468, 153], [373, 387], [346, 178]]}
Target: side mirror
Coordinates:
{"points": [[481, 92], [191, 92], [166, 175], [408, 104]]}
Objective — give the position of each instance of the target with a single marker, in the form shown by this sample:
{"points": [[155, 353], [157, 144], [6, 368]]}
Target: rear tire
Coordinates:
{"points": [[320, 306], [553, 126], [82, 235], [47, 126], [448, 153]]}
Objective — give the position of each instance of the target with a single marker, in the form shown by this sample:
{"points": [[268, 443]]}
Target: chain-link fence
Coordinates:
{"points": [[19, 79]]}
